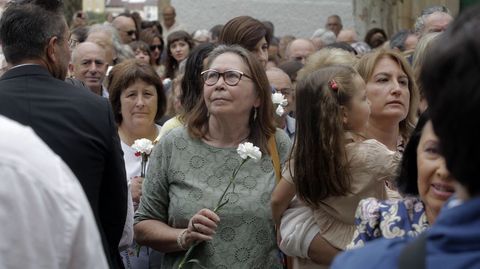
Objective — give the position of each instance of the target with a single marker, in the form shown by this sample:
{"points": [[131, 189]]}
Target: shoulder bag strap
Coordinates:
{"points": [[272, 148]]}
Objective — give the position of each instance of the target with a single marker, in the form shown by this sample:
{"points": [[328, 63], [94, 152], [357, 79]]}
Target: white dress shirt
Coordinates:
{"points": [[46, 219]]}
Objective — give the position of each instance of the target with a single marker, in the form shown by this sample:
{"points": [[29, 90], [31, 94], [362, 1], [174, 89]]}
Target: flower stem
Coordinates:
{"points": [[220, 204]]}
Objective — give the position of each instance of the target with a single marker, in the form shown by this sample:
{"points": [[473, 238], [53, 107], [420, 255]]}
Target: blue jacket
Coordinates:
{"points": [[452, 242]]}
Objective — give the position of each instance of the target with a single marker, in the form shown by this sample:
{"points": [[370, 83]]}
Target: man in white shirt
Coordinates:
{"points": [[169, 23], [46, 218]]}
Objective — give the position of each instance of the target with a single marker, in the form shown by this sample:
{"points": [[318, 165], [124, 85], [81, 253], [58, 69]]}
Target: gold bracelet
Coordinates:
{"points": [[180, 241]]}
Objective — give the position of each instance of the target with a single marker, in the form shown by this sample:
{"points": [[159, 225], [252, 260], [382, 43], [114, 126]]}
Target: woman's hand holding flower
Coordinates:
{"points": [[201, 227]]}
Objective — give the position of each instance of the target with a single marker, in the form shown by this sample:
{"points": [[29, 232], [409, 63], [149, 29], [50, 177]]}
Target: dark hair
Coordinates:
{"points": [[192, 82], [263, 126], [81, 33], [344, 46], [27, 26], [291, 68], [451, 82], [125, 74], [399, 38], [216, 30], [141, 46], [244, 31], [320, 160], [152, 25], [371, 33], [147, 36], [408, 171], [171, 65]]}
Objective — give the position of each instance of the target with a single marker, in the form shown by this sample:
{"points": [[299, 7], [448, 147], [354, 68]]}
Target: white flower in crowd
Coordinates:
{"points": [[280, 110], [143, 145], [247, 149], [279, 99]]}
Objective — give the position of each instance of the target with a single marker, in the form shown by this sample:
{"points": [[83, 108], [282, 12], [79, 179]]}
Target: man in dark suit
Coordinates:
{"points": [[75, 124]]}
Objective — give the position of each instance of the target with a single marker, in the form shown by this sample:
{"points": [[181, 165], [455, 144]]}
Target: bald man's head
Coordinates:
{"points": [[89, 65]]}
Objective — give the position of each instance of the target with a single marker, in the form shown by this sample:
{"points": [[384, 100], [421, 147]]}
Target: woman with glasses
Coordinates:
{"points": [[191, 166]]}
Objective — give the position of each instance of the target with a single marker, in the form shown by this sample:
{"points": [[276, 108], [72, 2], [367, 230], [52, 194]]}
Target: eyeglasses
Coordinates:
{"points": [[153, 47], [72, 43], [231, 77]]}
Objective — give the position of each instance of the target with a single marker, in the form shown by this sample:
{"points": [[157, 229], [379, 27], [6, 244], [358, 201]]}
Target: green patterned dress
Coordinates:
{"points": [[186, 175]]}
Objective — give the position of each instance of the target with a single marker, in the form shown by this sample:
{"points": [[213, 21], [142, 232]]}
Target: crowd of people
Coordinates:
{"points": [[367, 149]]}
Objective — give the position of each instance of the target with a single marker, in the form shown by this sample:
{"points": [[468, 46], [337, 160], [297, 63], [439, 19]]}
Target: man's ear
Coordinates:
{"points": [[345, 114], [71, 68], [52, 49]]}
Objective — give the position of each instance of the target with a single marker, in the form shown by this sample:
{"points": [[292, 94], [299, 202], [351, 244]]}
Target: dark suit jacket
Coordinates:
{"points": [[79, 127]]}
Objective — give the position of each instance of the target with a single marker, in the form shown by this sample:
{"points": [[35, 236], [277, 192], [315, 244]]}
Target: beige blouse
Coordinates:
{"points": [[371, 164]]}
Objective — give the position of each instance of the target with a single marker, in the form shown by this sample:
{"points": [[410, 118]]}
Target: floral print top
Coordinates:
{"points": [[388, 219]]}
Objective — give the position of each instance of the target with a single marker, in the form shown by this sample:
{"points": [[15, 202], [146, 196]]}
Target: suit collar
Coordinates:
{"points": [[26, 70]]}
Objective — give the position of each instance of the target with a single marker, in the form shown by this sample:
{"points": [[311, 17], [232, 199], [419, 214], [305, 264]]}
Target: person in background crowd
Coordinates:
{"points": [[425, 184], [283, 44], [433, 19], [142, 51], [423, 48], [108, 38], [281, 83], [179, 188], [291, 68], [375, 37], [404, 41], [322, 37], [250, 34], [79, 19], [32, 185], [333, 118], [450, 79], [89, 64], [201, 36], [126, 27], [348, 36], [155, 41], [179, 45], [76, 124], [334, 24], [79, 34], [215, 33], [190, 87], [137, 92], [153, 26], [170, 23], [299, 50]]}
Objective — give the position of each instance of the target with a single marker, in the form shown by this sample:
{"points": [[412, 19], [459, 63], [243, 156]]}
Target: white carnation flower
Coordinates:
{"points": [[279, 99], [248, 150], [143, 145], [280, 110]]}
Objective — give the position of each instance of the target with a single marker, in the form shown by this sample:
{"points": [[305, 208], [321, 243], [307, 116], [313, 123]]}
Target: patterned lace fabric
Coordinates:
{"points": [[388, 219], [186, 175]]}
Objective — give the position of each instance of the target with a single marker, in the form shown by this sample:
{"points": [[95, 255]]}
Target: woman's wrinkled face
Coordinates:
{"points": [[179, 50], [435, 184], [139, 104], [388, 92], [222, 99]]}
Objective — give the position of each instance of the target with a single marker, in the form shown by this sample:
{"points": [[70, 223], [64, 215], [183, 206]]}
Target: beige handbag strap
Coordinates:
{"points": [[272, 148]]}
